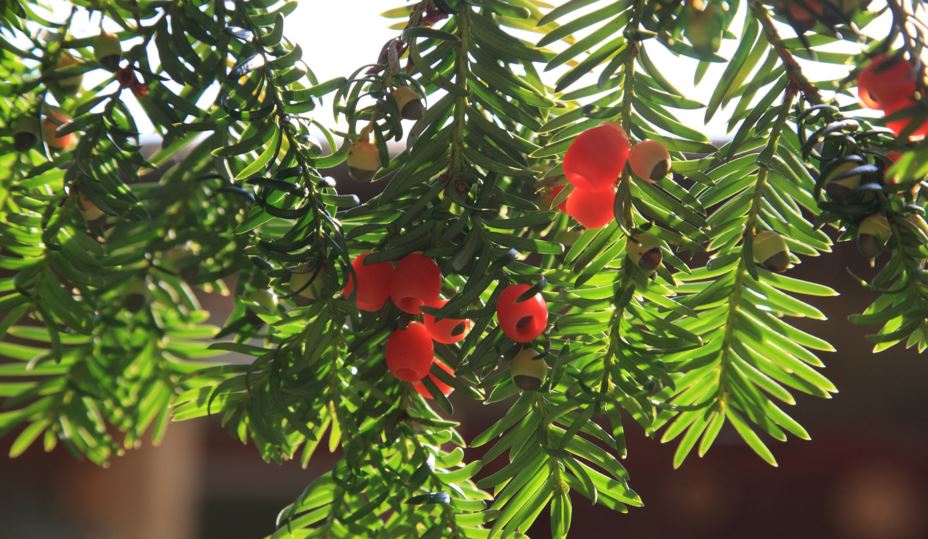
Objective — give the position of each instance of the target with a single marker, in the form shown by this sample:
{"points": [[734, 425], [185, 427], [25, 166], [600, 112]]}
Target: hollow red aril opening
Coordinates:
{"points": [[521, 321], [530, 327], [445, 330], [416, 281]]}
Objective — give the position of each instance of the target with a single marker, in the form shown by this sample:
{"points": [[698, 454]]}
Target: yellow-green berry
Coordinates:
{"points": [[771, 251], [644, 251], [872, 235], [528, 370]]}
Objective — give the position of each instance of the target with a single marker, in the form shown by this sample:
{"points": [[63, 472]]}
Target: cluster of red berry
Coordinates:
{"points": [[888, 83], [415, 282], [593, 164]]}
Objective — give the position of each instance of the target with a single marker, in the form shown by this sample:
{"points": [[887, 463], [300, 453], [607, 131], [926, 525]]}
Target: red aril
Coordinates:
{"points": [[443, 387], [416, 282], [373, 283], [521, 321], [50, 126], [591, 208], [410, 353], [596, 157], [885, 82], [899, 125], [445, 330]]}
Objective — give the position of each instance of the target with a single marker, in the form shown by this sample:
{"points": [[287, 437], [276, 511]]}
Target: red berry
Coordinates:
{"points": [[596, 157], [901, 124], [410, 353], [521, 321], [415, 282], [591, 208], [443, 387], [885, 82], [445, 330], [373, 283], [555, 191]]}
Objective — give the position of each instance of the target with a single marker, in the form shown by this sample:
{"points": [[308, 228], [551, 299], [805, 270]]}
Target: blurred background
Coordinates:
{"points": [[863, 476]]}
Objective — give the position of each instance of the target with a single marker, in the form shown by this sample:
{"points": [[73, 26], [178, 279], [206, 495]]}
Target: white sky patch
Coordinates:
{"points": [[337, 37]]}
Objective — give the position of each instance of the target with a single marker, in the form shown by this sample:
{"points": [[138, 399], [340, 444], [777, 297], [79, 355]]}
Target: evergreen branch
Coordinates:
{"points": [[685, 350], [736, 373], [749, 229], [628, 96], [462, 72]]}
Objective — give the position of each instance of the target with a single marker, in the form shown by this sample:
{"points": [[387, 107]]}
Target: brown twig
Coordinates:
{"points": [[797, 79], [423, 14]]}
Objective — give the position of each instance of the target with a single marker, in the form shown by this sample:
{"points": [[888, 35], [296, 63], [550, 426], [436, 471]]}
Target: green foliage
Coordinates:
{"points": [[107, 250]]}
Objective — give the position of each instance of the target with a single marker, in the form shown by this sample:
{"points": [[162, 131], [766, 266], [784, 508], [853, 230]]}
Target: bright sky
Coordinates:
{"points": [[341, 36], [345, 34]]}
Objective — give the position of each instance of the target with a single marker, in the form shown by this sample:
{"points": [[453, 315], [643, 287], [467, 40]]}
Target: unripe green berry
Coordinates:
{"points": [[265, 298], [872, 235], [136, 296], [838, 185], [88, 210], [408, 102], [107, 50], [363, 160], [307, 283], [25, 132], [644, 251], [183, 258], [649, 160], [69, 85], [771, 251], [704, 28], [528, 370]]}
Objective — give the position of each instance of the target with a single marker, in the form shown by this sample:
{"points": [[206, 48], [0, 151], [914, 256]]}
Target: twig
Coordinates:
{"points": [[424, 14], [797, 79]]}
